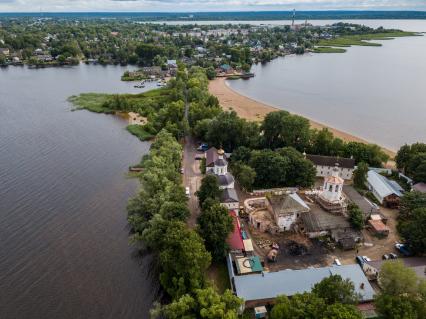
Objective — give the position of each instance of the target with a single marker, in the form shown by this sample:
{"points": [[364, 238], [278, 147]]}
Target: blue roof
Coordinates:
{"points": [[290, 282]]}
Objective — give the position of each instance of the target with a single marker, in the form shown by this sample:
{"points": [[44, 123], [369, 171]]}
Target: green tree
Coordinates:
{"points": [[209, 189], [215, 225], [360, 175], [413, 231], [335, 289], [403, 294], [211, 73], [204, 303], [356, 216], [409, 202], [245, 175], [341, 311], [184, 261]]}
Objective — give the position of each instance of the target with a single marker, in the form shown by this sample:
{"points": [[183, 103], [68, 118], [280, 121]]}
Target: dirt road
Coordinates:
{"points": [[191, 178]]}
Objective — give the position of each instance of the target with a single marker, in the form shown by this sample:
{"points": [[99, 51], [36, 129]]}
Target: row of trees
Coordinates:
{"points": [[282, 129], [412, 221], [333, 297], [411, 159], [267, 168], [158, 215]]}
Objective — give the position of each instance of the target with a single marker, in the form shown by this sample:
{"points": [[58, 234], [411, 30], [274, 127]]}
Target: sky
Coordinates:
{"points": [[205, 5]]}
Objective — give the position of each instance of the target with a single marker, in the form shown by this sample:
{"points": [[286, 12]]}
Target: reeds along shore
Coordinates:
{"points": [[253, 110]]}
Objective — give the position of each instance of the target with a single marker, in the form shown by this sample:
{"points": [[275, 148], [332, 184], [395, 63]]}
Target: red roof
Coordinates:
{"points": [[235, 241]]}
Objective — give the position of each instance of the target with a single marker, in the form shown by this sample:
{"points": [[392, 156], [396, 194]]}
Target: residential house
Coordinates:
{"points": [[387, 192], [325, 165]]}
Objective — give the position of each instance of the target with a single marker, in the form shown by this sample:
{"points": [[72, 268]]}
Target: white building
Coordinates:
{"points": [[325, 165], [286, 210], [230, 199], [331, 198]]}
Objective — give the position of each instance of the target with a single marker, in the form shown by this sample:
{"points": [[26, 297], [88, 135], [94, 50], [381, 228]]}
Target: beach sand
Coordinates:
{"points": [[253, 110]]}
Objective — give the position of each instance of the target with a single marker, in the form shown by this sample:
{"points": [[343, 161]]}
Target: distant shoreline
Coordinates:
{"points": [[254, 110]]}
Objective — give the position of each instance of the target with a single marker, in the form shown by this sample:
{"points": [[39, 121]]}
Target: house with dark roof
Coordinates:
{"points": [[324, 165], [218, 165]]}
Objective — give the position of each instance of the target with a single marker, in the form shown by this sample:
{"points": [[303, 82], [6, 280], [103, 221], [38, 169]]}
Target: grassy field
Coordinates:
{"points": [[140, 132], [91, 101], [363, 39], [97, 102], [329, 50]]}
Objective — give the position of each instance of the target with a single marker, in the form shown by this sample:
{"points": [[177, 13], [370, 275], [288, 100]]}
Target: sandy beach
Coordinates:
{"points": [[253, 110]]}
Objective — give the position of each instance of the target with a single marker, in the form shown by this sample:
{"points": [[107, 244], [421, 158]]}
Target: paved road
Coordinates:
{"points": [[191, 178]]}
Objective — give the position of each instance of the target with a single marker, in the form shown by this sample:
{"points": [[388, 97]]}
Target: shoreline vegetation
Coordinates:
{"points": [[253, 110]]}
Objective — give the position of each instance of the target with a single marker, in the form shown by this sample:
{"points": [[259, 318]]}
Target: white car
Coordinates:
{"points": [[337, 262], [187, 193], [366, 258]]}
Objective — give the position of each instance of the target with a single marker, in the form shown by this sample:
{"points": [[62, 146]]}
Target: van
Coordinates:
{"points": [[187, 193]]}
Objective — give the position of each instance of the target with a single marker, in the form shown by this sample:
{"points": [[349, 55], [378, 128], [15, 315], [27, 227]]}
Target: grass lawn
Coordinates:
{"points": [[218, 275]]}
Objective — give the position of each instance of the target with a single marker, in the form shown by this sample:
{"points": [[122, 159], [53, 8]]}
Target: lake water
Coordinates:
{"points": [[377, 93], [64, 250]]}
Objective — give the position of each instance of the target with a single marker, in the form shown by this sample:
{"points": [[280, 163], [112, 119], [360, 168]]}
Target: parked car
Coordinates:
{"points": [[366, 258], [203, 147], [393, 256], [403, 249], [181, 170], [187, 193], [385, 257], [337, 262]]}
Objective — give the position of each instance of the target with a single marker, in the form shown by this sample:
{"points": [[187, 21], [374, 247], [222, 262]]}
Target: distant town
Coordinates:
{"points": [[44, 42]]}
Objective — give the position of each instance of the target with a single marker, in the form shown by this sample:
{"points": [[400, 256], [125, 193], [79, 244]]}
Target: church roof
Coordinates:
{"points": [[225, 180], [331, 161], [220, 162], [229, 196], [211, 156], [334, 180], [287, 203]]}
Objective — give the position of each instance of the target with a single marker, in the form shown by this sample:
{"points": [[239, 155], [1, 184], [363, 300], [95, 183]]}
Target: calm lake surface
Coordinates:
{"points": [[377, 93], [64, 250]]}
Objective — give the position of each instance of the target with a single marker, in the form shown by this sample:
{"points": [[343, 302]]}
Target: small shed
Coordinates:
{"points": [[248, 246], [378, 227], [260, 312]]}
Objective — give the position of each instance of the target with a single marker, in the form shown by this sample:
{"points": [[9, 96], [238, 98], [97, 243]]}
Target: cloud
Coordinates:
{"points": [[206, 5]]}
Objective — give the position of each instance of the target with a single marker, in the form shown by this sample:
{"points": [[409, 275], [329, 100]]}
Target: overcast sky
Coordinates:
{"points": [[206, 5]]}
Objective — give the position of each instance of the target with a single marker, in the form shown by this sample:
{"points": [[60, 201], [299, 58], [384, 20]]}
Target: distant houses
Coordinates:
{"points": [[386, 191]]}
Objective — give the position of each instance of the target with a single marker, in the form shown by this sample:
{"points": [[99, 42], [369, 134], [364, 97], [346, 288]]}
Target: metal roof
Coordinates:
{"points": [[331, 161], [229, 195], [382, 185], [269, 285]]}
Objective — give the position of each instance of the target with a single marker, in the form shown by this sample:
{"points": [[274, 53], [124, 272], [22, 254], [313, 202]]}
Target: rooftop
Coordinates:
{"points": [[420, 187], [331, 161], [383, 186], [235, 240], [269, 285], [287, 203], [418, 264], [229, 195]]}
